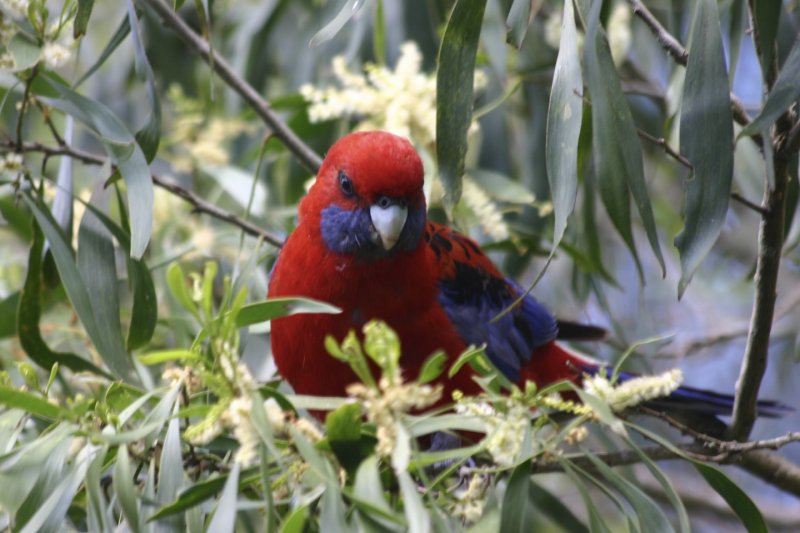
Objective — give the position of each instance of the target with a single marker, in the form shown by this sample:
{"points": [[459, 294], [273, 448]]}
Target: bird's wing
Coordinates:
{"points": [[472, 292]]}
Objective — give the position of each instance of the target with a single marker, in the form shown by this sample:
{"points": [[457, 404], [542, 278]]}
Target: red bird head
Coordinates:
{"points": [[368, 196]]}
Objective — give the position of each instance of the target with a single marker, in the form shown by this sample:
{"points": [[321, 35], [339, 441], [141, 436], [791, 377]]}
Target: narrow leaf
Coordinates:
{"points": [[516, 513], [150, 135], [329, 31], [738, 500], [123, 486], [225, 516], [518, 20], [617, 152], [564, 115], [12, 398], [77, 291], [783, 95], [277, 307], [454, 93], [96, 264], [29, 314], [82, 18], [766, 18], [706, 139], [119, 35]]}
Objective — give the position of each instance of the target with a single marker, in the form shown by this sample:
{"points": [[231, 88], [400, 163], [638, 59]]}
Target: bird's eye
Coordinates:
{"points": [[345, 184], [384, 202]]}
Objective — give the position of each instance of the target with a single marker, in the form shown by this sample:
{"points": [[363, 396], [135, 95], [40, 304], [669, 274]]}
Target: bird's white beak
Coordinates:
{"points": [[388, 222]]}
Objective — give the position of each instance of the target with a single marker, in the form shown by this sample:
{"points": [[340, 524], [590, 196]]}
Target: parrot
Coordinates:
{"points": [[363, 243]]}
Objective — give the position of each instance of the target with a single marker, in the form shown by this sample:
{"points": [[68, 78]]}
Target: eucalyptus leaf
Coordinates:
{"points": [[224, 518], [617, 151], [454, 93], [738, 500], [706, 132], [348, 11], [263, 311], [564, 114]]}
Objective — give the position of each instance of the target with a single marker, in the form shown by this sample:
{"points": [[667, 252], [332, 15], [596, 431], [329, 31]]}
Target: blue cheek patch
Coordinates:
{"points": [[348, 232]]}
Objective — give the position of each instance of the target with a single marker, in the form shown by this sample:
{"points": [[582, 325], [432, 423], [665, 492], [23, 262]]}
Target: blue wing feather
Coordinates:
{"points": [[472, 293]]}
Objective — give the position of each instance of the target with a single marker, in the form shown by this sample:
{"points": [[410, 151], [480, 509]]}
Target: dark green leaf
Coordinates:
{"points": [[29, 313], [349, 9], [119, 35], [454, 93], [82, 18], [8, 313], [278, 307], [650, 515], [144, 314], [518, 515], [96, 264], [766, 17], [150, 135], [296, 521], [741, 504], [617, 152], [736, 32], [553, 507], [706, 131], [343, 428], [783, 95], [36, 405], [564, 114]]}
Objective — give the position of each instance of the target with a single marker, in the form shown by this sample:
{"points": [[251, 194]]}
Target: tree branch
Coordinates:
{"points": [[199, 204], [200, 46], [669, 150]]}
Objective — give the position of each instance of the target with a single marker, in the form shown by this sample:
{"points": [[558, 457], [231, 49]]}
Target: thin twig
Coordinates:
{"points": [[747, 203], [302, 151], [665, 38], [49, 121], [675, 49], [199, 204], [669, 150]]}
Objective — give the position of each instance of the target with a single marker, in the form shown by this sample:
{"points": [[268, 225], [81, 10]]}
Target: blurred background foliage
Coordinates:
{"points": [[377, 70]]}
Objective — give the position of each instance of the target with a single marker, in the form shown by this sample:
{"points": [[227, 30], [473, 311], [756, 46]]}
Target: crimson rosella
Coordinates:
{"points": [[363, 243]]}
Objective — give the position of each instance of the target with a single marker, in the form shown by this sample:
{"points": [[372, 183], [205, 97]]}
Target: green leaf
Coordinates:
{"points": [[34, 404], [454, 93], [766, 18], [741, 504], [706, 131], [518, 20], [82, 18], [96, 263], [162, 356], [343, 429], [329, 31], [224, 518], [150, 135], [25, 51], [617, 151], [673, 497], [176, 280], [564, 114], [29, 314], [517, 514], [122, 480], [192, 496], [597, 524], [296, 521], [171, 477], [368, 487], [119, 36], [432, 368], [122, 149], [783, 95], [417, 515], [97, 510], [550, 505], [144, 314], [650, 515], [278, 307], [117, 360]]}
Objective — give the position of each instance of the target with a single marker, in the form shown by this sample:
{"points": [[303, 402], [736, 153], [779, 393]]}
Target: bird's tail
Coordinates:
{"points": [[686, 399]]}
